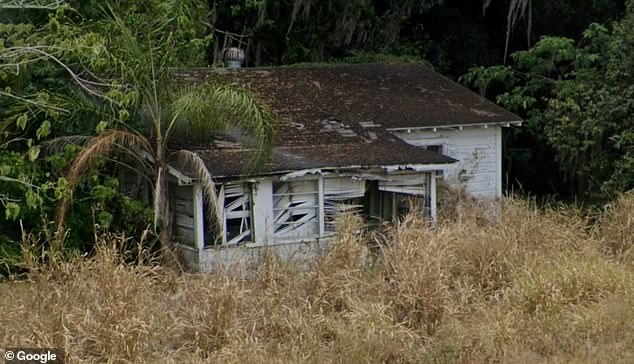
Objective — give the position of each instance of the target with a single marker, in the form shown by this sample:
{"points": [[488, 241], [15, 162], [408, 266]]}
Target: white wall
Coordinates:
{"points": [[478, 150], [307, 244]]}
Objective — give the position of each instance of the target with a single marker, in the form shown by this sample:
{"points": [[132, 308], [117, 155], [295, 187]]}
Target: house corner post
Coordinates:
{"points": [[320, 203], [432, 197], [498, 161], [199, 220], [263, 211]]}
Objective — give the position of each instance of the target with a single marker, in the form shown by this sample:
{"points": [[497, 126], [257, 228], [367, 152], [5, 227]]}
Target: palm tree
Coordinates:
{"points": [[204, 110], [161, 110]]}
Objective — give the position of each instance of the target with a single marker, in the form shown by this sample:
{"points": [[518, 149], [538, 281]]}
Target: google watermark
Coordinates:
{"points": [[33, 355]]}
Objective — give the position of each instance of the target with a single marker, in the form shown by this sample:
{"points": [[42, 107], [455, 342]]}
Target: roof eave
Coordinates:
{"points": [[506, 124], [417, 167]]}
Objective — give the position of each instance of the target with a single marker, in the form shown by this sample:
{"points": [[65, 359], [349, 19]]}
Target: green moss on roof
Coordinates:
{"points": [[366, 58]]}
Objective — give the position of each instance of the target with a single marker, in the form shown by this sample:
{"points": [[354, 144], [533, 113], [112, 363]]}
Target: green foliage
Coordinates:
{"points": [[12, 210], [576, 98], [384, 58], [299, 31], [78, 84], [105, 69]]}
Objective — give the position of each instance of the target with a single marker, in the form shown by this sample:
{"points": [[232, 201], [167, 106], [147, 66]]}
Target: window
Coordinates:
{"points": [[341, 196], [296, 209], [237, 213], [378, 205], [235, 217], [397, 195]]}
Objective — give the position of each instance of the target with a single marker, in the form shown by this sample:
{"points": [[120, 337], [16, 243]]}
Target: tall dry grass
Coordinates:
{"points": [[516, 285]]}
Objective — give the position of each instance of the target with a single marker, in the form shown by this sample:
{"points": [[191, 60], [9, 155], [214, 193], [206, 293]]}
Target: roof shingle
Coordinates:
{"points": [[338, 116]]}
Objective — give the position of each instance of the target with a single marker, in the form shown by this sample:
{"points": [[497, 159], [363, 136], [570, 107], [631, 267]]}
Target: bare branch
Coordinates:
{"points": [[15, 180], [41, 105], [14, 140], [31, 4], [43, 53]]}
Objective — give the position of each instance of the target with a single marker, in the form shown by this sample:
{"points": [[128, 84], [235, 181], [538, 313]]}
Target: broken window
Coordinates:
{"points": [[379, 205], [237, 213], [406, 183], [341, 195], [397, 195], [296, 209]]}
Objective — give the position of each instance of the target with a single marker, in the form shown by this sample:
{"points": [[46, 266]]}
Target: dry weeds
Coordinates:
{"points": [[518, 285]]}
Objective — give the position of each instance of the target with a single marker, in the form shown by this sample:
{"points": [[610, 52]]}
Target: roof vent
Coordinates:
{"points": [[234, 57]]}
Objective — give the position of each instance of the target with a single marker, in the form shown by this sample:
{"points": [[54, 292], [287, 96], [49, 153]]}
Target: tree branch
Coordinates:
{"points": [[15, 52]]}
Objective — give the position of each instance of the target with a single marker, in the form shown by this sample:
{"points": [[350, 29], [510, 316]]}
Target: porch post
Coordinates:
{"points": [[320, 203], [498, 161], [199, 222], [263, 211], [432, 197]]}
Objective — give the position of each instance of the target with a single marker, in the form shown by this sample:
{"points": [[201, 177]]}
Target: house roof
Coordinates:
{"points": [[329, 144], [393, 96], [338, 116]]}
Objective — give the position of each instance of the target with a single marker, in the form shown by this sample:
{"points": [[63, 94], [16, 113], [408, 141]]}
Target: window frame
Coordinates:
{"points": [[318, 207], [224, 241]]}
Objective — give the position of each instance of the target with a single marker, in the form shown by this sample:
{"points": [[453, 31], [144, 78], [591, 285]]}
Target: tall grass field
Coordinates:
{"points": [[518, 285]]}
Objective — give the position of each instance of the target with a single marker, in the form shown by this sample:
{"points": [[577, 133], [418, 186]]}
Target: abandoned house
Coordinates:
{"points": [[367, 138]]}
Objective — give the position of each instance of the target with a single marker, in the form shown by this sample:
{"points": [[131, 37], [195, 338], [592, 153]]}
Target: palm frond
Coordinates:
{"points": [[103, 145], [98, 147], [194, 164], [59, 144], [517, 10], [202, 112]]}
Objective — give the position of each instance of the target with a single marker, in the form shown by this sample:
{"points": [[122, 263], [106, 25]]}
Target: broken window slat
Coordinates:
{"points": [[300, 207], [296, 225], [281, 217], [410, 184], [341, 195], [240, 203], [298, 222], [415, 191], [295, 209], [238, 239], [289, 203], [233, 192], [237, 213], [287, 215], [293, 194]]}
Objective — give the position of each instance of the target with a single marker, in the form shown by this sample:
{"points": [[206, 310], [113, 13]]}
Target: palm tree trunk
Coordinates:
{"points": [[161, 209], [158, 192]]}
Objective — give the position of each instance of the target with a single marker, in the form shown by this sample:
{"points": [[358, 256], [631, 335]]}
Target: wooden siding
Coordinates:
{"points": [[183, 208], [478, 150]]}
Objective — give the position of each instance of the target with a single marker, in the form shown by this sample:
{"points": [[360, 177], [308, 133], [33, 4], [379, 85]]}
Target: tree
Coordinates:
{"points": [[121, 64], [292, 31], [576, 98]]}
